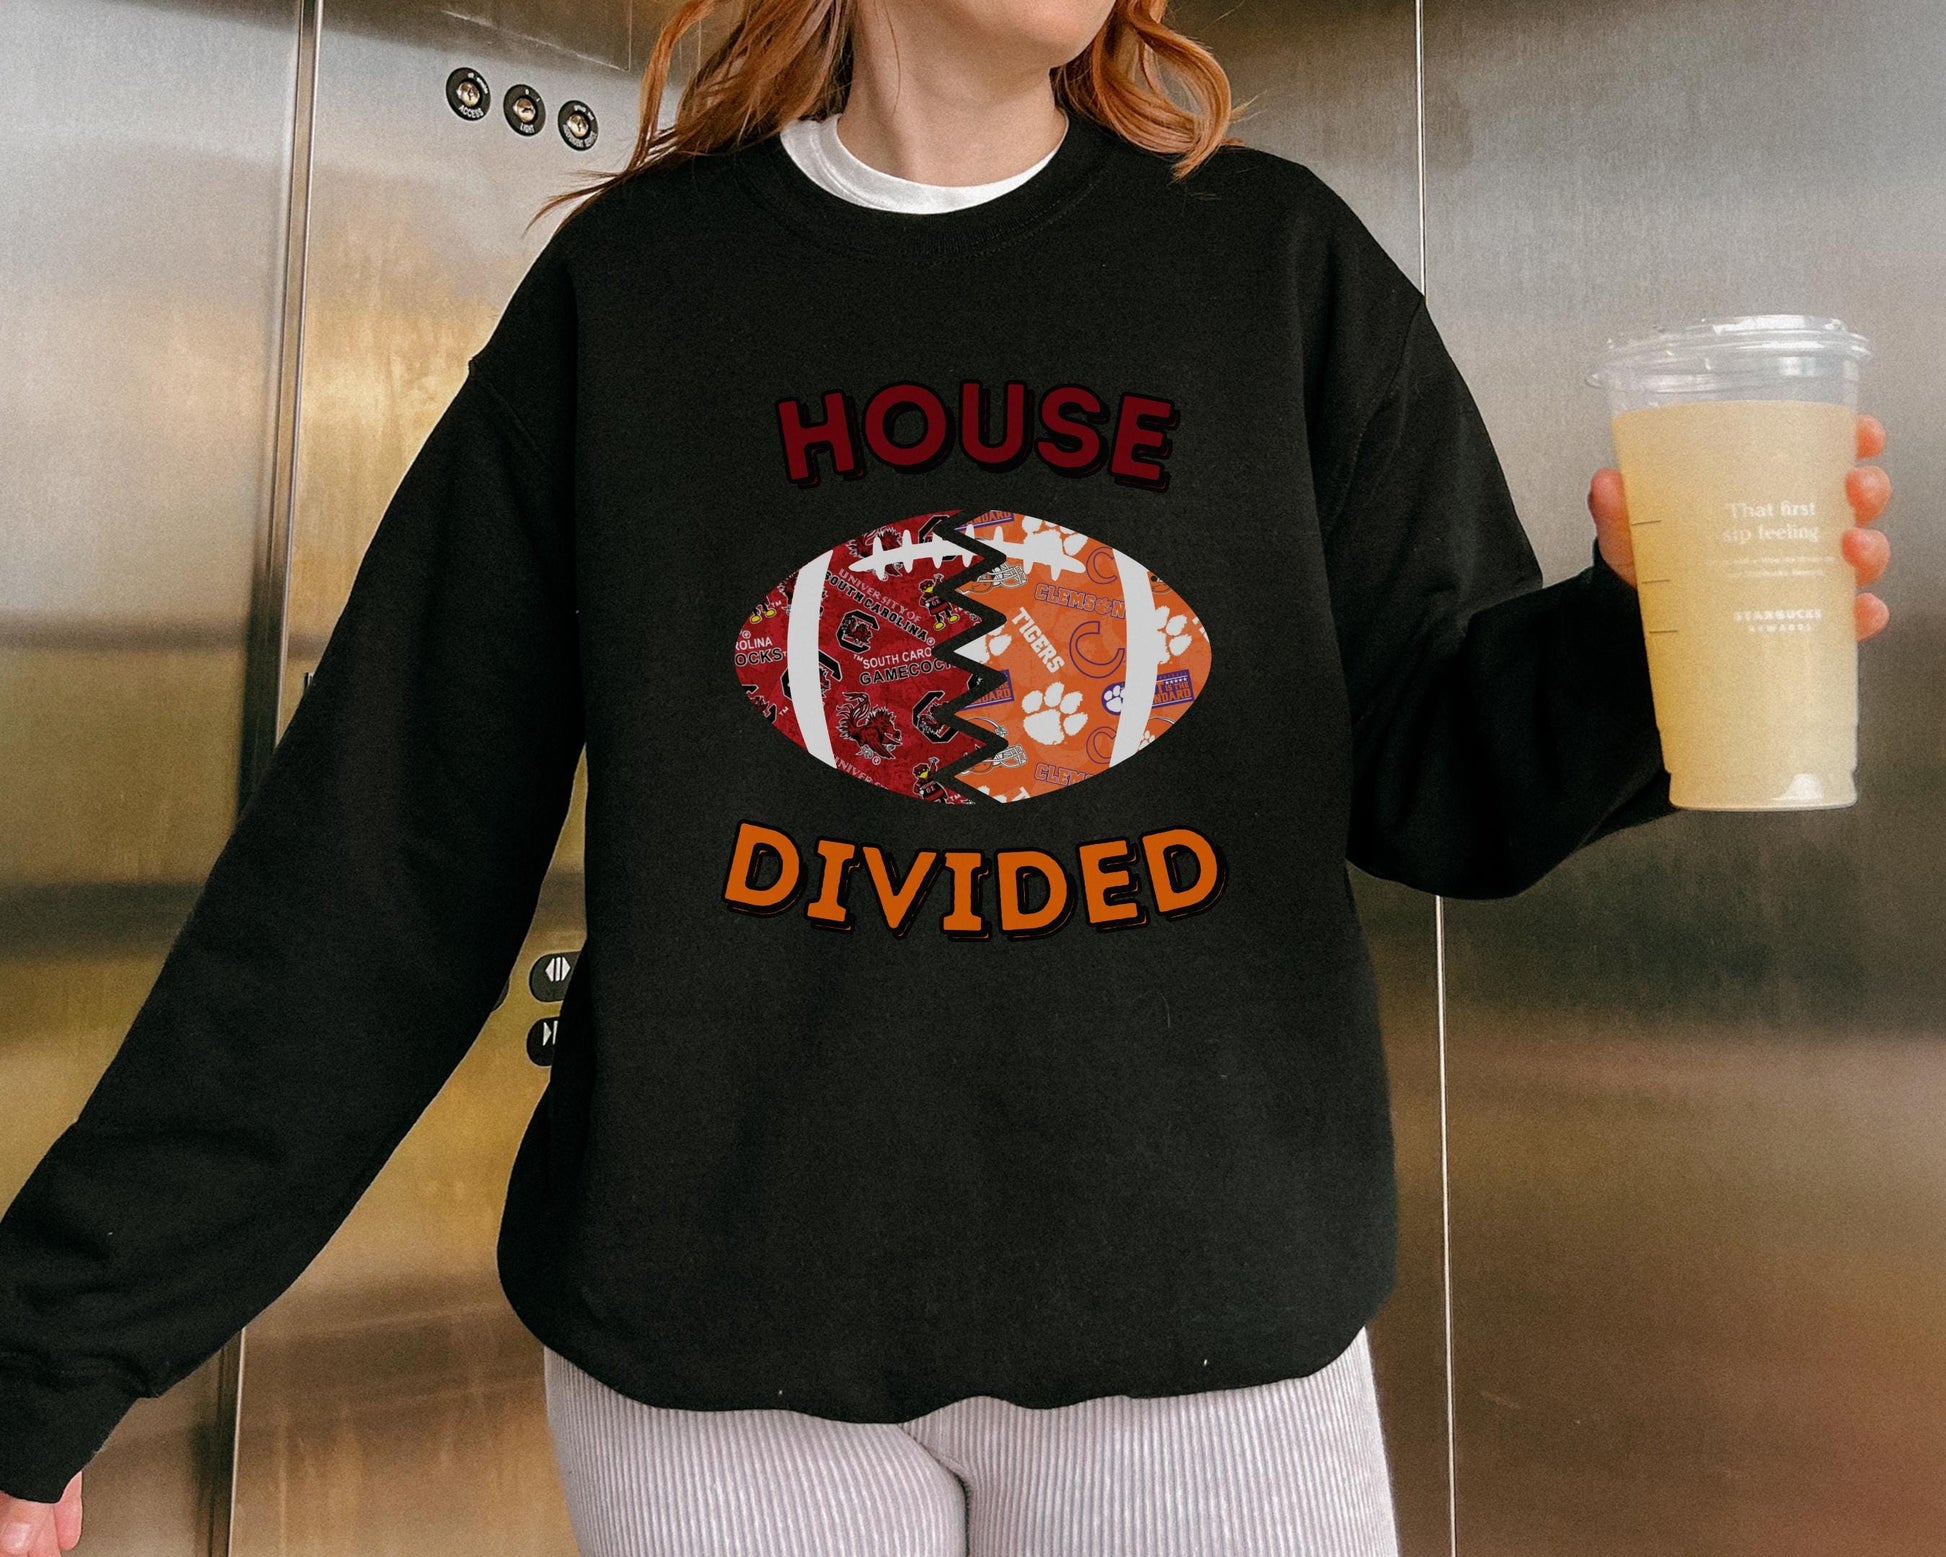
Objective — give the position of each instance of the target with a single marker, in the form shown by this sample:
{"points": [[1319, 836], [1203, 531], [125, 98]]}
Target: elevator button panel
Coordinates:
{"points": [[540, 1040], [466, 91], [577, 122], [548, 978], [524, 109], [469, 96]]}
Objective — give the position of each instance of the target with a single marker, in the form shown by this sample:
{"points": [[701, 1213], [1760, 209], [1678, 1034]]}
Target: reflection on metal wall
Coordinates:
{"points": [[1698, 1255], [1691, 1083], [393, 1379], [245, 260], [1699, 1183], [138, 372]]}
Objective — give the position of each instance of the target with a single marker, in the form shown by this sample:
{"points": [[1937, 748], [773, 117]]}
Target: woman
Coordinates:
{"points": [[1042, 1206]]}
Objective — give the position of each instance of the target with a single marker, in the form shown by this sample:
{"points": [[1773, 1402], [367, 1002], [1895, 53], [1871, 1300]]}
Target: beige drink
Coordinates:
{"points": [[1736, 508], [1734, 435]]}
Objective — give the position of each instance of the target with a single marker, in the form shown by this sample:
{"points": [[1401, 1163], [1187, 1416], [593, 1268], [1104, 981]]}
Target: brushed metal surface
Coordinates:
{"points": [[137, 392], [1699, 1186], [1695, 1078], [392, 1402]]}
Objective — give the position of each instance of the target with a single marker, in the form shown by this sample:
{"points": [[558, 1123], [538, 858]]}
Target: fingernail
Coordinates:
{"points": [[15, 1537]]}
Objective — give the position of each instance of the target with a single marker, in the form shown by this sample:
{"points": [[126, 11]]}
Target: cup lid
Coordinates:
{"points": [[1723, 340]]}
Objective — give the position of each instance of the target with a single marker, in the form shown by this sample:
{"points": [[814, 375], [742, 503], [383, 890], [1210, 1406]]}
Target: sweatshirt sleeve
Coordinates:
{"points": [[1497, 726], [344, 951]]}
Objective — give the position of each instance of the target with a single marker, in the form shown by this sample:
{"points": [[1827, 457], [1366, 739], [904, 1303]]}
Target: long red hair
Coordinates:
{"points": [[791, 59]]}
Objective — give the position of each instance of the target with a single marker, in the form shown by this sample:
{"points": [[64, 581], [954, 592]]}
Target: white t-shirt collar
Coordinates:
{"points": [[814, 146]]}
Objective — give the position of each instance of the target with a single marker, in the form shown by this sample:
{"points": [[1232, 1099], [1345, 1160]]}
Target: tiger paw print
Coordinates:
{"points": [[983, 649], [1052, 715], [1052, 546], [1175, 633]]}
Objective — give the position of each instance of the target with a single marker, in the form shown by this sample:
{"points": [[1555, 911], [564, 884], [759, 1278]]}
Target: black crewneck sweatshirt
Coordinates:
{"points": [[991, 633]]}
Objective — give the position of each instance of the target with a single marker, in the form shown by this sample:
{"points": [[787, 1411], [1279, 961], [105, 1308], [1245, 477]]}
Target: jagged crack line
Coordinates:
{"points": [[983, 678]]}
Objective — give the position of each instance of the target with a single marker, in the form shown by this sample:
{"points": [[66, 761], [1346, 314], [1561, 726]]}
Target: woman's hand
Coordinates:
{"points": [[1868, 551], [41, 1529]]}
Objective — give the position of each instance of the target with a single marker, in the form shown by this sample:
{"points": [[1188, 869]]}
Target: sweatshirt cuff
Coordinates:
{"points": [[1615, 653], [1610, 582], [1612, 633], [52, 1427]]}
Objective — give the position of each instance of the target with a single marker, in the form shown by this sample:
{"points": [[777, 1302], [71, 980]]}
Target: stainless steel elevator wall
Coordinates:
{"points": [[1697, 1076], [1671, 1120], [393, 1379], [1694, 1080], [184, 190], [138, 388]]}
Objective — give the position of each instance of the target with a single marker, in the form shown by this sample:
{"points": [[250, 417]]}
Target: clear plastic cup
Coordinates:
{"points": [[1733, 436]]}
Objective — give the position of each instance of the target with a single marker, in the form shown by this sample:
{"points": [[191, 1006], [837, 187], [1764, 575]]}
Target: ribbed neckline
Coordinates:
{"points": [[774, 179]]}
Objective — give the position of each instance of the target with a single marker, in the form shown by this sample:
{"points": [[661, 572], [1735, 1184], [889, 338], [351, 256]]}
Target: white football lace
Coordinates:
{"points": [[1042, 546]]}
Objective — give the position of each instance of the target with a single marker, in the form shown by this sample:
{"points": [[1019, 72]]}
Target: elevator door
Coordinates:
{"points": [[1697, 1077], [1670, 1119], [144, 180], [391, 1401]]}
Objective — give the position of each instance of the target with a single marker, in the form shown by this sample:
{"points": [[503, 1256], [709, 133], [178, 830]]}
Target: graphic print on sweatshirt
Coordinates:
{"points": [[994, 659]]}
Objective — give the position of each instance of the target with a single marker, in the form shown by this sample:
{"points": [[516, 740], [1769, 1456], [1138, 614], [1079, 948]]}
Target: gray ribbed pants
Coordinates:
{"points": [[1295, 1468]]}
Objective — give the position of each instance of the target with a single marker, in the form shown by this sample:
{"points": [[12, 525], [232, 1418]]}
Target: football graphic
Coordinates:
{"points": [[964, 661]]}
